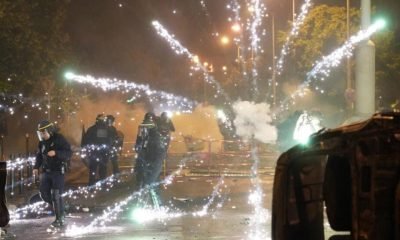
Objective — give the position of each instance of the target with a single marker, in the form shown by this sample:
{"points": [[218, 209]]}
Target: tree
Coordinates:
{"points": [[387, 69], [32, 42], [323, 31]]}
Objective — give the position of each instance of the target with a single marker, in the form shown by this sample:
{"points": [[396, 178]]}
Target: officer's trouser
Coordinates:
{"points": [[97, 161], [51, 189]]}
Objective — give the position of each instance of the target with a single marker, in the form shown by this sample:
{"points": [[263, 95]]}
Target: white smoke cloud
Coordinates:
{"points": [[254, 120]]}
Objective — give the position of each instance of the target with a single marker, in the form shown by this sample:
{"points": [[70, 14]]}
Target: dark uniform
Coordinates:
{"points": [[150, 150], [116, 145], [97, 143], [52, 179], [165, 127]]}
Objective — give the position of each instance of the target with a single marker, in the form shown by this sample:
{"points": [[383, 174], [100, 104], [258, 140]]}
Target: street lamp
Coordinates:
{"points": [[69, 75], [293, 10], [225, 40], [236, 28], [195, 59], [349, 89], [273, 63]]}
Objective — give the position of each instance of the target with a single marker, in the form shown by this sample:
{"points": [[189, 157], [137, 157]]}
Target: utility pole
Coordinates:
{"points": [[365, 68], [349, 89], [273, 63]]}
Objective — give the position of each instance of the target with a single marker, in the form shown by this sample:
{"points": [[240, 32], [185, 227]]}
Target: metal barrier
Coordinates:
{"points": [[212, 157], [19, 174], [209, 157]]}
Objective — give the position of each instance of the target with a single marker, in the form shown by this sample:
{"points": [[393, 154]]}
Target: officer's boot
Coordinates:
{"points": [[58, 208], [154, 198]]}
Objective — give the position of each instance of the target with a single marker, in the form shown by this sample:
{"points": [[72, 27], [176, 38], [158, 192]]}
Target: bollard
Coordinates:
{"points": [[12, 176], [21, 177], [29, 167], [4, 214], [27, 144], [209, 157]]}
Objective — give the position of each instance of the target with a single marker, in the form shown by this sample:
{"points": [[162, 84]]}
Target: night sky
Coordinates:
{"points": [[114, 38]]}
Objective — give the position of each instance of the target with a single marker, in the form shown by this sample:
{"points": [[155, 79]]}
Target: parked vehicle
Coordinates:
{"points": [[351, 174]]}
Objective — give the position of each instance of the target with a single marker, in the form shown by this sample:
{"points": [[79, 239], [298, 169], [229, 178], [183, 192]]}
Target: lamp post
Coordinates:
{"points": [[365, 68], [273, 63], [236, 28], [349, 90], [293, 10]]}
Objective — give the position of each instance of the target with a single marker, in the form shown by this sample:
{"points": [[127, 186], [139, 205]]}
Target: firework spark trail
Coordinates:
{"points": [[215, 193], [107, 84], [111, 213], [260, 215], [259, 10], [293, 33], [165, 213], [19, 163], [323, 67], [11, 103], [19, 213], [256, 23], [236, 10], [87, 192], [204, 7], [181, 50]]}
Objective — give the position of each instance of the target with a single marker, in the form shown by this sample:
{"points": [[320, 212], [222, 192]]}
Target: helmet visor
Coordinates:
{"points": [[43, 134]]}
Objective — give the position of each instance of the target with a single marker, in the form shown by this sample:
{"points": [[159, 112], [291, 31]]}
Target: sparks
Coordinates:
{"points": [[323, 67], [107, 84], [181, 50], [293, 33]]}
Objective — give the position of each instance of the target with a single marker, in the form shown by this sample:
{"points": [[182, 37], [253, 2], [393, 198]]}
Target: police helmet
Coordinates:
{"points": [[149, 117], [100, 118], [164, 115], [110, 119], [46, 125]]}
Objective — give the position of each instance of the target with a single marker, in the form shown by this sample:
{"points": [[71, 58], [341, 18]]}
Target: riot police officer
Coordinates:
{"points": [[97, 143], [165, 127], [149, 160], [146, 132], [53, 152], [116, 145]]}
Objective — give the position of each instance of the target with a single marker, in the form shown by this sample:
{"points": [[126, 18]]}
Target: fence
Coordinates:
{"points": [[212, 157]]}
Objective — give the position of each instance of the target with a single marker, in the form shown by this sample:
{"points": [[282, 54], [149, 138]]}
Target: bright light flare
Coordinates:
{"points": [[69, 75], [236, 28], [225, 40], [380, 23], [221, 115], [306, 125]]}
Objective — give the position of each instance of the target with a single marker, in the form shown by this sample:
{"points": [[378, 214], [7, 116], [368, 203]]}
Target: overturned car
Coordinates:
{"points": [[349, 174]]}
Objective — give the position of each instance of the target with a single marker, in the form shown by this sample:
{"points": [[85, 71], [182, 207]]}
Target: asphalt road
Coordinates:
{"points": [[229, 215], [201, 203]]}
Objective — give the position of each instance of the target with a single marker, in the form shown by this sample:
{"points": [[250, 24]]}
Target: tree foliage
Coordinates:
{"points": [[387, 68], [32, 42], [323, 31]]}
